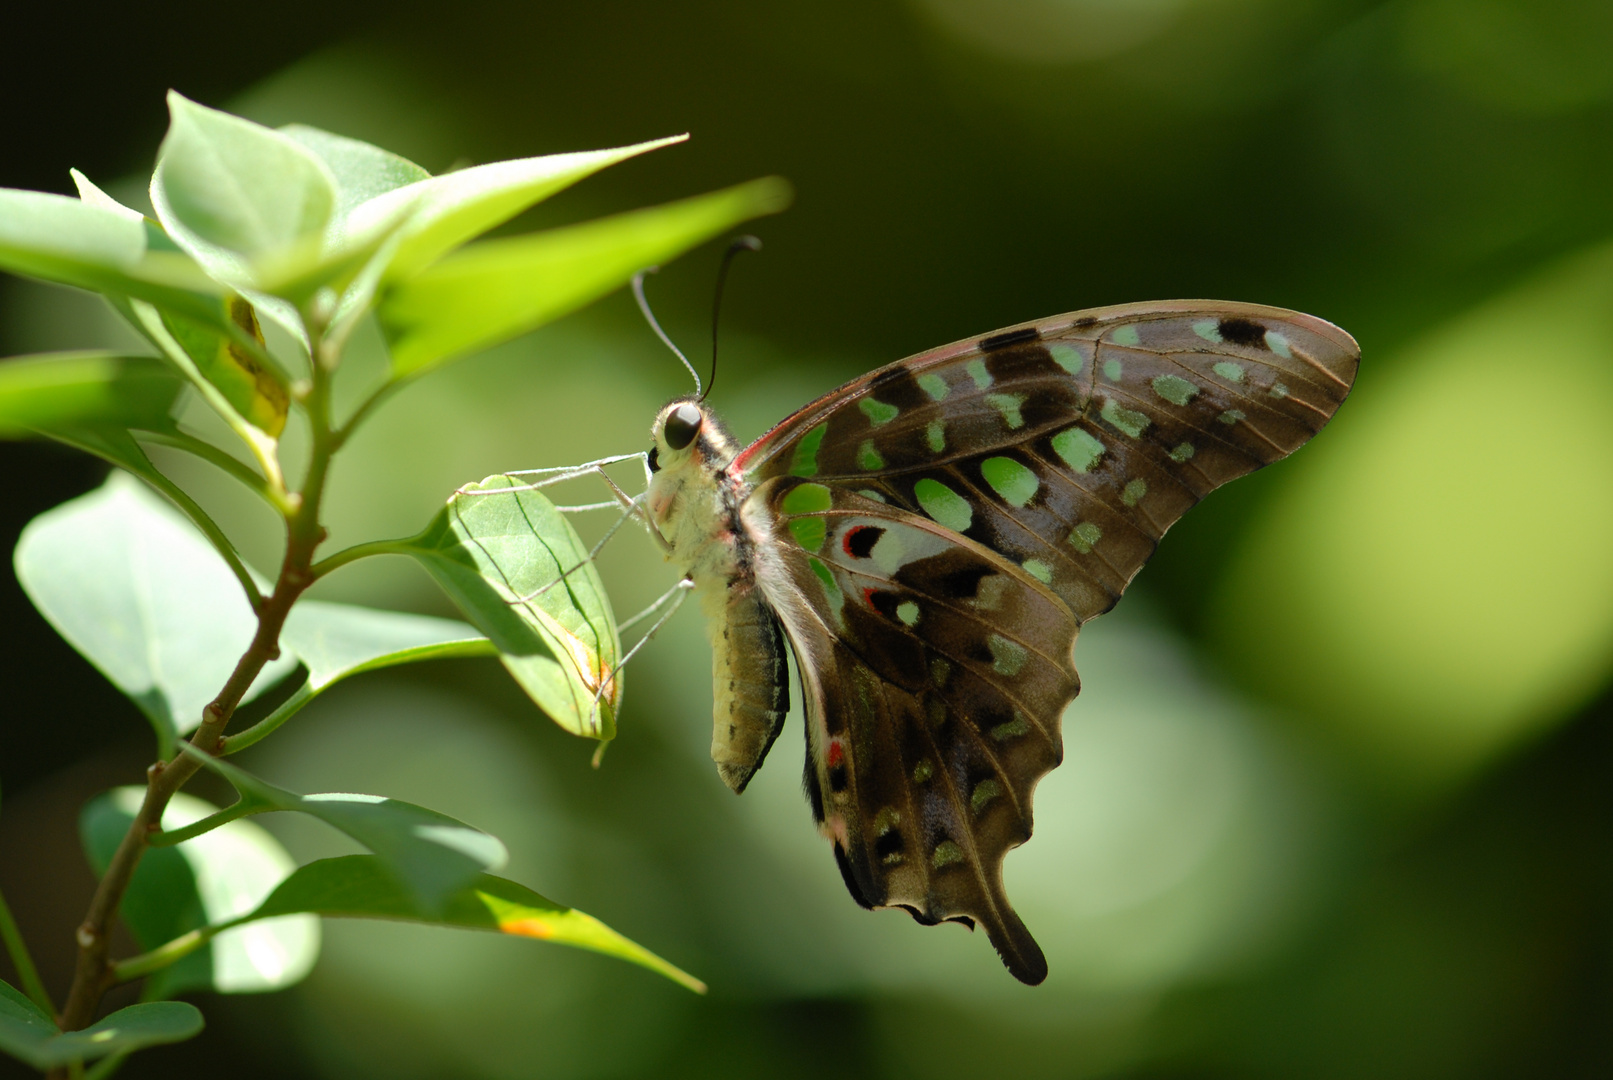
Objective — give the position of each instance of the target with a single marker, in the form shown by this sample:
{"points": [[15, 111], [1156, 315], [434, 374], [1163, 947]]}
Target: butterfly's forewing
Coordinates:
{"points": [[1072, 444], [1047, 460]]}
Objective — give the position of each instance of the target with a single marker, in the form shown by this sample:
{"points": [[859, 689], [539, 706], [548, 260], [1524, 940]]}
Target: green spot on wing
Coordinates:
{"points": [[1133, 491], [977, 371], [945, 506], [946, 853], [1011, 730], [923, 771], [1278, 344], [1278, 390], [805, 461], [908, 612], [823, 574], [1126, 335], [1008, 405], [984, 792], [1175, 389], [1183, 452], [1130, 421], [809, 532], [1230, 417], [1016, 484], [1209, 330], [877, 411], [1067, 357], [1112, 370], [1079, 448], [806, 499], [1039, 570], [934, 385], [1229, 371], [869, 458], [1085, 536], [935, 433], [1008, 656]]}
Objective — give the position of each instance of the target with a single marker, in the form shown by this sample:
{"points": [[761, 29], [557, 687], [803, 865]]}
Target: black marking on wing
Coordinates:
{"points": [[1009, 337], [1240, 331], [850, 878], [860, 542]]}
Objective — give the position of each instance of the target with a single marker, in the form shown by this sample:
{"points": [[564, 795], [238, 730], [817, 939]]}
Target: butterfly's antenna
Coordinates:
{"points": [[649, 317], [743, 243]]}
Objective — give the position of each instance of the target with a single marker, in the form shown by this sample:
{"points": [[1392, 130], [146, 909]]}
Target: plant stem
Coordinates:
{"points": [[360, 551], [27, 973], [94, 974]]}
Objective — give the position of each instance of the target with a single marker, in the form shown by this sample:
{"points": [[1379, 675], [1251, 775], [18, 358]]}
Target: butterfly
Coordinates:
{"points": [[929, 539]]}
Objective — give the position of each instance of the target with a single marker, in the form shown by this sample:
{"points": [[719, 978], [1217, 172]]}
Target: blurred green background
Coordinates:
{"points": [[1337, 794]]}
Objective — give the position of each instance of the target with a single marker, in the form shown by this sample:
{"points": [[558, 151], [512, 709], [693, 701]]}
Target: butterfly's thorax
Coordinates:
{"points": [[694, 502]]}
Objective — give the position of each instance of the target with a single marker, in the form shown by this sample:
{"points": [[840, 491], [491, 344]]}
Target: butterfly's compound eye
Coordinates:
{"points": [[682, 424]]}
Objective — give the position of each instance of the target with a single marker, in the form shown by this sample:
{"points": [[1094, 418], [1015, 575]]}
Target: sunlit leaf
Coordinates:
{"points": [[29, 1035], [45, 393], [430, 854], [459, 206], [210, 879], [229, 191], [519, 572], [225, 352], [142, 596], [70, 242], [357, 886], [494, 290], [362, 171], [256, 390], [334, 641]]}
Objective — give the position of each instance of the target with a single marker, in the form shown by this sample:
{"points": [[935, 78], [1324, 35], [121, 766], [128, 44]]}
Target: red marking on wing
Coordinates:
{"points": [[845, 541], [837, 754]]}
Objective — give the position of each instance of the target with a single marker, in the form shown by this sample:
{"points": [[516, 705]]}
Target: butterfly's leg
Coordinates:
{"points": [[558, 474], [676, 595], [635, 507], [677, 591]]}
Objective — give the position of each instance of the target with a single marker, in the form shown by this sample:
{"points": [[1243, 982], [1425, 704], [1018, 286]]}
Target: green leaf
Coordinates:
{"points": [[71, 242], [337, 640], [144, 598], [213, 878], [230, 191], [29, 1035], [223, 355], [362, 171], [495, 290], [500, 555], [256, 390], [357, 886], [452, 209], [432, 855], [45, 393]]}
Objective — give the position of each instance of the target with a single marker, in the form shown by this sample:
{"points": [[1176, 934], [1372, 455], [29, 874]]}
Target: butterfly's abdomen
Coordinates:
{"points": [[750, 677]]}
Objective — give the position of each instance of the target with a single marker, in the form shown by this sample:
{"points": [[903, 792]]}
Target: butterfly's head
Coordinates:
{"points": [[685, 433]]}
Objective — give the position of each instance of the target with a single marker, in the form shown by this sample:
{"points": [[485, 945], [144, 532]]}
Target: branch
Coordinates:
{"points": [[95, 974]]}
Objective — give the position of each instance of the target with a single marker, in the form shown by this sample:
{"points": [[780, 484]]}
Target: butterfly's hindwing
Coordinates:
{"points": [[935, 674]]}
